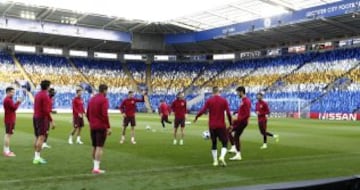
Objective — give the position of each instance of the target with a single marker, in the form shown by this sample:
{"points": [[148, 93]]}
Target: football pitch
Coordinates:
{"points": [[308, 149]]}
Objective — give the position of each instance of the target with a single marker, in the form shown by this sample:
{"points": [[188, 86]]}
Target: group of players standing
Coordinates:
{"points": [[217, 106], [97, 115]]}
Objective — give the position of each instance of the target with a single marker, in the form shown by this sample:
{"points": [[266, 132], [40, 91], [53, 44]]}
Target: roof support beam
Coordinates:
{"points": [[202, 23], [46, 13], [81, 18], [47, 40], [341, 25], [11, 5], [74, 43], [279, 3], [111, 22], [16, 37], [136, 26], [167, 28], [221, 16], [246, 10], [184, 25], [98, 45]]}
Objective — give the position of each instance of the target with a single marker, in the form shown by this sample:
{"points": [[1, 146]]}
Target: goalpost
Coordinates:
{"points": [[289, 107]]}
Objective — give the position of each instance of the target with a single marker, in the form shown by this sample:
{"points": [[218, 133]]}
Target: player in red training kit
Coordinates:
{"points": [[262, 110], [9, 119], [239, 124], [164, 111], [97, 115], [41, 120], [180, 110], [51, 123], [217, 106], [128, 110], [78, 117]]}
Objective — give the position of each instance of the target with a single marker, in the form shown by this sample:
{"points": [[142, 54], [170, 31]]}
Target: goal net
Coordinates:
{"points": [[289, 107]]}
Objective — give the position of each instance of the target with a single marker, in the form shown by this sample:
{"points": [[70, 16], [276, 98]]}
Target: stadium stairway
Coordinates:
{"points": [[197, 99], [331, 85], [171, 82], [284, 76], [134, 83], [231, 86], [22, 70], [148, 84], [187, 89], [26, 76], [83, 76], [148, 76], [147, 104], [213, 78]]}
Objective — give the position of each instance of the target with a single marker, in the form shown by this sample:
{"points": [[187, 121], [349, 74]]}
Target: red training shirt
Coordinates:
{"points": [[128, 106], [97, 112], [77, 106], [262, 109], [42, 105], [179, 108], [164, 109], [51, 106], [217, 107], [10, 110], [244, 109]]}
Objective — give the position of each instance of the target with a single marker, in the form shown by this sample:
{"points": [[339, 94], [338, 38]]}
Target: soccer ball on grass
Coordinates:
{"points": [[206, 135]]}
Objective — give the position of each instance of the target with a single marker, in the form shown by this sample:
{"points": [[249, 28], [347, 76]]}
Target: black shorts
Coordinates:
{"points": [[129, 120], [218, 133], [41, 126], [78, 122], [98, 137], [239, 126], [179, 122], [9, 128], [262, 127], [165, 118]]}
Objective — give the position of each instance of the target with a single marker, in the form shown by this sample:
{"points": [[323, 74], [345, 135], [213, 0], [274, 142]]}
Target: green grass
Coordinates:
{"points": [[308, 149]]}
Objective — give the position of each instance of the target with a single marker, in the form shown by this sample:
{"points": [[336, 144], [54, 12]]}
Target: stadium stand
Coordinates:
{"points": [[171, 77], [137, 69], [9, 72], [319, 78], [103, 71], [54, 68]]}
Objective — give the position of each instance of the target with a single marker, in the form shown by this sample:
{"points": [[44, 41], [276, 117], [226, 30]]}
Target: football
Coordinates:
{"points": [[206, 135]]}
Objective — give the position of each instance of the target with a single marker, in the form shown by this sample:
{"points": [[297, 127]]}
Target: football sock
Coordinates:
{"points": [[223, 152], [6, 149], [96, 165], [37, 155], [214, 154]]}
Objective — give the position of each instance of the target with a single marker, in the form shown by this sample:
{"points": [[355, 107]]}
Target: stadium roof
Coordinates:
{"points": [[313, 30], [243, 10], [155, 16]]}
